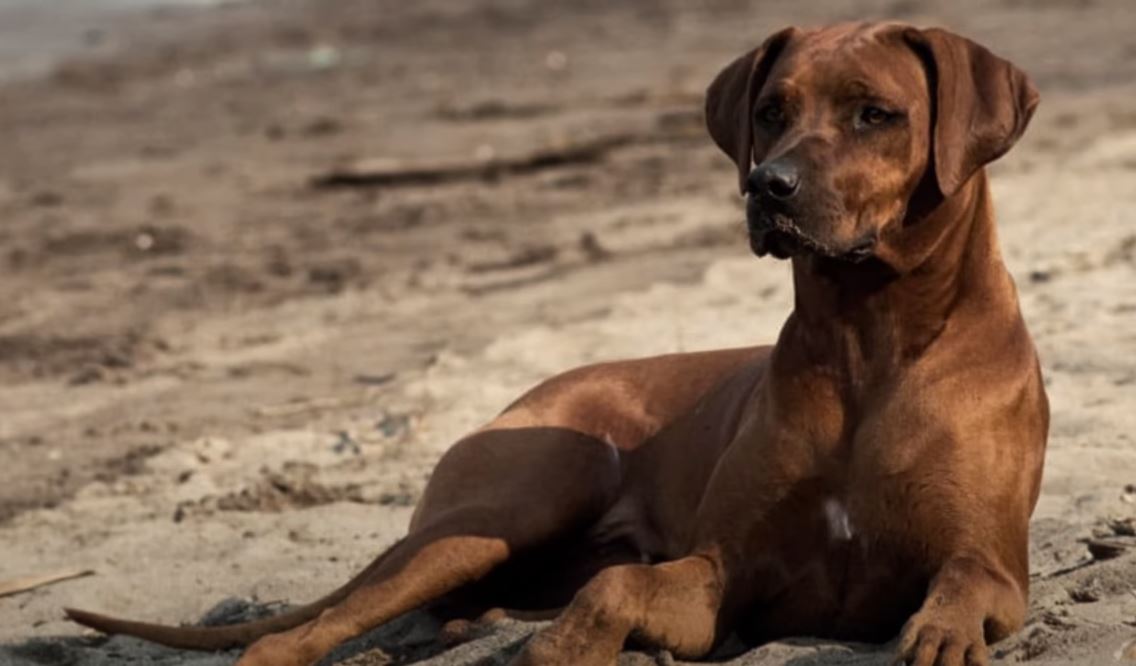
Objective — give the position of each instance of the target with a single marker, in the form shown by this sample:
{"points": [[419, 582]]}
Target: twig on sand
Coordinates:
{"points": [[28, 583], [1054, 573]]}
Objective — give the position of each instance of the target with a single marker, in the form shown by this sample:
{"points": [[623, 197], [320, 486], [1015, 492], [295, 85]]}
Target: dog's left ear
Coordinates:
{"points": [[982, 104], [729, 101]]}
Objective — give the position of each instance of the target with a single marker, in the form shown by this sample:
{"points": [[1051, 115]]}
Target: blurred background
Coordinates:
{"points": [[261, 262]]}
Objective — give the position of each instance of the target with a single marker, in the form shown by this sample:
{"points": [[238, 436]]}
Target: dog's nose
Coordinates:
{"points": [[778, 179]]}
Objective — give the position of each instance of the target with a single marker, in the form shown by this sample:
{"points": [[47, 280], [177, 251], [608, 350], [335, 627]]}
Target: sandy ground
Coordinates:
{"points": [[221, 382]]}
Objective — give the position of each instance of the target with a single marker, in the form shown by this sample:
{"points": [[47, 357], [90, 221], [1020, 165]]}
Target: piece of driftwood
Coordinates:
{"points": [[28, 583], [678, 123], [391, 171]]}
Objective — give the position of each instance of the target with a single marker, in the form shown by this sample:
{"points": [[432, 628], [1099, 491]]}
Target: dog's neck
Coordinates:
{"points": [[868, 320]]}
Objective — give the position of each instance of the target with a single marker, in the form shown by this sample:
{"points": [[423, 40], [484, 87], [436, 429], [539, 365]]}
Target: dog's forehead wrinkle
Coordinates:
{"points": [[837, 81], [882, 89]]}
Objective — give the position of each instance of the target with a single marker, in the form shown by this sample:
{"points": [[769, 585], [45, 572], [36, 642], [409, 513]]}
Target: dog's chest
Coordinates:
{"points": [[835, 569], [831, 574]]}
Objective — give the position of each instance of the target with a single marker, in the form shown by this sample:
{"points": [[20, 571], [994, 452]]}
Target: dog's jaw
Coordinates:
{"points": [[778, 235]]}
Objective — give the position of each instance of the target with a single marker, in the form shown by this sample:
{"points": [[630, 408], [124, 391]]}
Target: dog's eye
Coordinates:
{"points": [[771, 114], [874, 116]]}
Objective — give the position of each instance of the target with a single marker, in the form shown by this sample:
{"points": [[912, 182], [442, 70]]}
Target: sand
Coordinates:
{"points": [[220, 383]]}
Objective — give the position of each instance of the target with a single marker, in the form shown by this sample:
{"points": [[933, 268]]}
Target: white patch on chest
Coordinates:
{"points": [[612, 447], [839, 523]]}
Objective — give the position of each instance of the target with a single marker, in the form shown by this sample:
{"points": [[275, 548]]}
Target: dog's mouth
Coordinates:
{"points": [[781, 243], [778, 235]]}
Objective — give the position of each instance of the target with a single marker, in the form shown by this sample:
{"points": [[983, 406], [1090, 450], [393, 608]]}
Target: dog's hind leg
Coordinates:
{"points": [[430, 568], [494, 494]]}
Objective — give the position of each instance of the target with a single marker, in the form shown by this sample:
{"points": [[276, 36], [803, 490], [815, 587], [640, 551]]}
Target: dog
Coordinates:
{"points": [[870, 474]]}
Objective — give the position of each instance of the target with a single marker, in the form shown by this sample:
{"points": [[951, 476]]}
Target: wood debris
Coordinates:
{"points": [[28, 583], [393, 171]]}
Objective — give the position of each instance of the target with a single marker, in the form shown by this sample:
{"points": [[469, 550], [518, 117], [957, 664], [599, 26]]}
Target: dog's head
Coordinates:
{"points": [[835, 130]]}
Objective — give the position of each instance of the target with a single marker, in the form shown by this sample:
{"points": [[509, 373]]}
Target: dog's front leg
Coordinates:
{"points": [[970, 602], [673, 605]]}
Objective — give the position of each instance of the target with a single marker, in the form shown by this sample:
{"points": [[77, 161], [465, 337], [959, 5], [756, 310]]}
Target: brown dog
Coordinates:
{"points": [[878, 465]]}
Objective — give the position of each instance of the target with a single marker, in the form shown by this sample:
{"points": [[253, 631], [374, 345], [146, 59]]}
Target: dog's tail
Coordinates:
{"points": [[199, 638], [220, 637]]}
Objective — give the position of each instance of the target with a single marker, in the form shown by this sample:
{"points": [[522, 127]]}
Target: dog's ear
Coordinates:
{"points": [[729, 101], [982, 104]]}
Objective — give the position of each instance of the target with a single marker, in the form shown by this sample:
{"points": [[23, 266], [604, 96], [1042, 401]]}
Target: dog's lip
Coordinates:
{"points": [[777, 234], [774, 242]]}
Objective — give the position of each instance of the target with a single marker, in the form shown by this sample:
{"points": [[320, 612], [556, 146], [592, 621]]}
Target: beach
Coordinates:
{"points": [[229, 361]]}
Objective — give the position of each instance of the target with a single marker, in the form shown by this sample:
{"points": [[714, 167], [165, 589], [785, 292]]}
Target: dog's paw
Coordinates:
{"points": [[550, 648], [941, 640], [275, 650], [543, 649]]}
